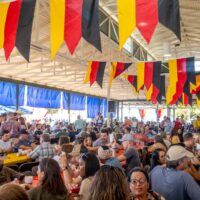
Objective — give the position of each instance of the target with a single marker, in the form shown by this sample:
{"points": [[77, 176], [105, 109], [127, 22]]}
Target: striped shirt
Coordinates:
{"points": [[44, 150]]}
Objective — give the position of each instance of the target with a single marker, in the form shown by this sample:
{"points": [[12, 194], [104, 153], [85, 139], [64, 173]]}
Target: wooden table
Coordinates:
{"points": [[13, 159]]}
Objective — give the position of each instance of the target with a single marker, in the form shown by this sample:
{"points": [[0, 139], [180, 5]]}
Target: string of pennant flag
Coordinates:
{"points": [[183, 80], [72, 19]]}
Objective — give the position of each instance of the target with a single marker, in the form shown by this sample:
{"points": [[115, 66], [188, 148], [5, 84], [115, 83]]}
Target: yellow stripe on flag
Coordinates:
{"points": [[112, 72], [3, 15], [198, 102], [149, 93], [87, 77], [173, 78], [140, 78], [126, 19], [57, 20]]}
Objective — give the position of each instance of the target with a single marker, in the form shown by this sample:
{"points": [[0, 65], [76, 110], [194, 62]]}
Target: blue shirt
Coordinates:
{"points": [[26, 143], [174, 184]]}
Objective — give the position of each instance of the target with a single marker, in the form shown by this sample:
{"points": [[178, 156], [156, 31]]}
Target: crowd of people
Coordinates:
{"points": [[130, 160]]}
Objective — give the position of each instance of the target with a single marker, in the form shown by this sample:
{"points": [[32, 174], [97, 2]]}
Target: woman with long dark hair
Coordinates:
{"points": [[109, 184], [51, 185]]}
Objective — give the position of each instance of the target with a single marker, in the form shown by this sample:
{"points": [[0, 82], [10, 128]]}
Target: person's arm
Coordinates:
{"points": [[23, 147], [192, 188], [35, 153], [66, 172]]}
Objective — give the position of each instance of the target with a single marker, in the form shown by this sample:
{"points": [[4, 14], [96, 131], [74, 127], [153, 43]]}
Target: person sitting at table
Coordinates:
{"points": [[88, 165], [5, 142], [44, 150], [131, 155], [51, 185], [7, 174], [24, 143], [12, 191]]}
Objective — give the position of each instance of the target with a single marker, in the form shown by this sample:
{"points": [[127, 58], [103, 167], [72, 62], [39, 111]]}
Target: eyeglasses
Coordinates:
{"points": [[140, 181]]}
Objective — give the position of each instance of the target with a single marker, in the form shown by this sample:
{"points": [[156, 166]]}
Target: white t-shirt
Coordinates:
{"points": [[5, 145]]}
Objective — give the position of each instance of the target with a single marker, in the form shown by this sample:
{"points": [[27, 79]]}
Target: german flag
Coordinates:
{"points": [[146, 17], [71, 19], [182, 77], [198, 99], [132, 79], [117, 68], [95, 72], [16, 26], [169, 15]]}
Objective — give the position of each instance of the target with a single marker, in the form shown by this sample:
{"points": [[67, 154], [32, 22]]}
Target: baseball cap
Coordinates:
{"points": [[114, 162], [127, 137], [104, 152], [177, 152]]}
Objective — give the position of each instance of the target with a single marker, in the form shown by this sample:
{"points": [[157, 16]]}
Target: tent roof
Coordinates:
{"points": [[68, 72]]}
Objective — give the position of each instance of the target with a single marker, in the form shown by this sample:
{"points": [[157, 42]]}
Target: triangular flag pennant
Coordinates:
{"points": [[24, 30], [146, 17], [73, 20], [169, 15], [126, 19], [140, 77], [10, 26], [90, 23], [57, 17], [173, 79], [132, 79]]}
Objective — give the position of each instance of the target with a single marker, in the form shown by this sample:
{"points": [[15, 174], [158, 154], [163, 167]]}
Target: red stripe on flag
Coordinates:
{"points": [[186, 100], [11, 25], [155, 94], [148, 74], [131, 79], [182, 76], [73, 20], [147, 17], [119, 69], [94, 71]]}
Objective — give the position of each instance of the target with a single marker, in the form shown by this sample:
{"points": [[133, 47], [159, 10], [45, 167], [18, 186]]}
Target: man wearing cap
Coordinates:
{"points": [[131, 154], [24, 142], [44, 150], [105, 156], [171, 181]]}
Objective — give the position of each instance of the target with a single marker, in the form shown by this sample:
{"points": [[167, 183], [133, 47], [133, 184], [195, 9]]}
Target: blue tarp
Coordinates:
{"points": [[7, 94], [43, 98], [93, 105]]}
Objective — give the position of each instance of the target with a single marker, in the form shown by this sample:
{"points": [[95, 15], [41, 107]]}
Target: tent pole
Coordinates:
{"points": [[108, 99], [17, 97]]}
